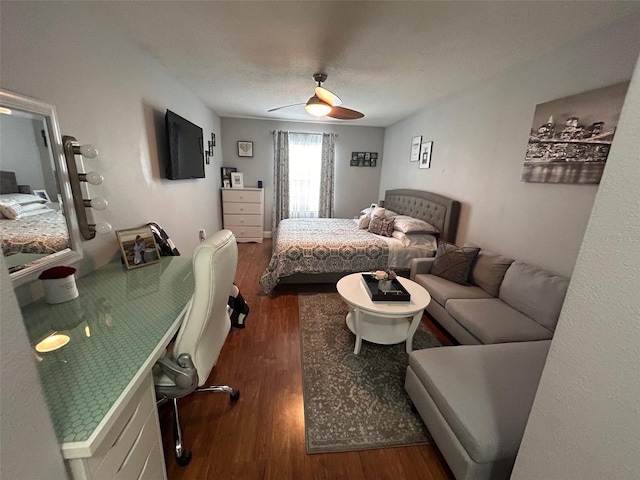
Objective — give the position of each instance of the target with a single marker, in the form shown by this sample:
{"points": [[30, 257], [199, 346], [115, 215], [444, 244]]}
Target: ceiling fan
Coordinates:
{"points": [[324, 103]]}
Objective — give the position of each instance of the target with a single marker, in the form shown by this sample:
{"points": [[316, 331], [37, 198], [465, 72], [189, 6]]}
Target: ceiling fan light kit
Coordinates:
{"points": [[317, 107], [325, 103]]}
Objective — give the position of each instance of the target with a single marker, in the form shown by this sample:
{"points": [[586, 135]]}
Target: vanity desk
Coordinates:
{"points": [[99, 386]]}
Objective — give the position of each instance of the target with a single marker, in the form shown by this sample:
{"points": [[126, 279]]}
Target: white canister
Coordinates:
{"points": [[59, 284]]}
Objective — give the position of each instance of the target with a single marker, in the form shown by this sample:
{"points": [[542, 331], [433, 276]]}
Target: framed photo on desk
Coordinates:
{"points": [[138, 247]]}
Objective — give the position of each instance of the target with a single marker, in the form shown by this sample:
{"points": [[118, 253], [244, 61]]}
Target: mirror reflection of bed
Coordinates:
{"points": [[30, 228], [32, 223]]}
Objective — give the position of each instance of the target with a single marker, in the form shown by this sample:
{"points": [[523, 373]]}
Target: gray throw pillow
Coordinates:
{"points": [[488, 270], [453, 263]]}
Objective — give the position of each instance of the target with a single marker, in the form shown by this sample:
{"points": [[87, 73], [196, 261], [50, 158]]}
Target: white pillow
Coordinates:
{"points": [[406, 224], [363, 221], [21, 198], [13, 210]]}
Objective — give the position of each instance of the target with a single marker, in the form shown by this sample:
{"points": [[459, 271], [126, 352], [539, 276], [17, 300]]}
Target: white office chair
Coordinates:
{"points": [[204, 329]]}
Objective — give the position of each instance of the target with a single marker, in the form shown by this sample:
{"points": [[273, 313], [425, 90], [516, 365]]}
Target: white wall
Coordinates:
{"points": [[109, 94], [28, 444], [585, 420], [480, 138], [355, 187]]}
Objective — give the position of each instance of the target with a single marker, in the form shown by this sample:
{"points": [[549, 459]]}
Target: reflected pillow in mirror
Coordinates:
{"points": [[21, 198], [14, 211]]}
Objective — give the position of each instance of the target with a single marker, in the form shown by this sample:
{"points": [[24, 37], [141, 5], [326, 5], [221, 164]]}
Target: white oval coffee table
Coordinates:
{"points": [[385, 323]]}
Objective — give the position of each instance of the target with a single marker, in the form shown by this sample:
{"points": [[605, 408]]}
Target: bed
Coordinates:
{"points": [[27, 224], [321, 250]]}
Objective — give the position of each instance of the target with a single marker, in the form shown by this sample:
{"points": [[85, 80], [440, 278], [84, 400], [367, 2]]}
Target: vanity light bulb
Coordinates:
{"points": [[103, 227], [99, 203], [94, 178], [88, 151]]}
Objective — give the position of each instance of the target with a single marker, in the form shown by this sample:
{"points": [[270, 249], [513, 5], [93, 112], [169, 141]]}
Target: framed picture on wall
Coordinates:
{"points": [[245, 149], [415, 148], [425, 155]]}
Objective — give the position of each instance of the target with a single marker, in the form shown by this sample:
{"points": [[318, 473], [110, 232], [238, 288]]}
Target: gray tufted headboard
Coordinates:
{"points": [[441, 212]]}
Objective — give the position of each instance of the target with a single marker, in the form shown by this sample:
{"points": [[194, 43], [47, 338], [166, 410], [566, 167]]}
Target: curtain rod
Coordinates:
{"points": [[273, 132]]}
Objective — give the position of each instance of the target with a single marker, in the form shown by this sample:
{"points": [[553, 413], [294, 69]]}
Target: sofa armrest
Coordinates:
{"points": [[420, 265]]}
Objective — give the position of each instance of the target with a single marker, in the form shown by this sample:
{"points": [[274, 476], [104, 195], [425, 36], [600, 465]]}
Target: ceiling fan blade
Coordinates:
{"points": [[286, 106], [342, 113], [328, 97]]}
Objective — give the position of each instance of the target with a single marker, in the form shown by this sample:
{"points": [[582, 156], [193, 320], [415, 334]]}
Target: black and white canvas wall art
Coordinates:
{"points": [[571, 137]]}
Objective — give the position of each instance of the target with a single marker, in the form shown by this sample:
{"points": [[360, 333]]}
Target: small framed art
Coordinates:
{"points": [[245, 149], [237, 180], [415, 148], [425, 154], [138, 247], [42, 194], [225, 173]]}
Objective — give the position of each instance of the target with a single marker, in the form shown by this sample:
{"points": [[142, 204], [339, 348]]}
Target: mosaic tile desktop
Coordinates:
{"points": [[114, 325]]}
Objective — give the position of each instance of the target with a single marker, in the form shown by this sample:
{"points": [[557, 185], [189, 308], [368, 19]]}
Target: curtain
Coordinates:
{"points": [[327, 175], [280, 209]]}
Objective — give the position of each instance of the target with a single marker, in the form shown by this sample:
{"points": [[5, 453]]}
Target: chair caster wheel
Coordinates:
{"points": [[184, 459], [235, 396]]}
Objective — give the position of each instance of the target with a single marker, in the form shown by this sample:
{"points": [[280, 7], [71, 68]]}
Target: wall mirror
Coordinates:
{"points": [[38, 224]]}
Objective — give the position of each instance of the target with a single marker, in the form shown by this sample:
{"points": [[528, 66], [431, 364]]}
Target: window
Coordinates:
{"points": [[305, 162]]}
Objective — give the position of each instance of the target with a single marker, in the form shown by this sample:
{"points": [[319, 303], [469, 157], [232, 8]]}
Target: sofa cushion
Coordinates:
{"points": [[484, 392], [491, 320], [453, 262], [442, 290], [488, 270], [534, 292]]}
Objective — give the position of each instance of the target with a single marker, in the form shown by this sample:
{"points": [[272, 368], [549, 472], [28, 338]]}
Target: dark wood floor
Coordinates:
{"points": [[262, 435]]}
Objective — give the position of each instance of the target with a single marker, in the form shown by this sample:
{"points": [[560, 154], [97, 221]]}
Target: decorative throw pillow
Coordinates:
{"points": [[453, 263], [488, 270], [381, 226], [406, 224], [364, 220]]}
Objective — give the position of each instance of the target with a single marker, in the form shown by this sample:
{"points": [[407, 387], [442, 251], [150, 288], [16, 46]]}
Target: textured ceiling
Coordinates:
{"points": [[386, 59]]}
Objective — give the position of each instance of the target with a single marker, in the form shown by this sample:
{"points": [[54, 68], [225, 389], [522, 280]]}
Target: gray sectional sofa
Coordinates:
{"points": [[506, 300], [475, 399]]}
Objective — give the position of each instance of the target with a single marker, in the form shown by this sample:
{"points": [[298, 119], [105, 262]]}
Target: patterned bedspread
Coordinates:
{"points": [[322, 245], [45, 233]]}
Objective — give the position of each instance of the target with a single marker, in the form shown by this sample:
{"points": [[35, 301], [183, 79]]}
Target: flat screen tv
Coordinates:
{"points": [[186, 155]]}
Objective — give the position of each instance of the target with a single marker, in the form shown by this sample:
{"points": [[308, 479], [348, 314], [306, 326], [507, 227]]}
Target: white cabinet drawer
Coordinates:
{"points": [[243, 220], [154, 467], [242, 196], [114, 449], [139, 456], [246, 232], [243, 208]]}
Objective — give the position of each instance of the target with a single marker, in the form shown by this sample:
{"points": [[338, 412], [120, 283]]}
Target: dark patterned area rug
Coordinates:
{"points": [[354, 402]]}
